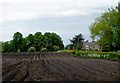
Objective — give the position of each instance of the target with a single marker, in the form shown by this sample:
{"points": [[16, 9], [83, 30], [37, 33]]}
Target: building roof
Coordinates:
{"points": [[88, 43]]}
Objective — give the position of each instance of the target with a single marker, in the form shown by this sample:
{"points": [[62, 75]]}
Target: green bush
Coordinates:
{"points": [[83, 49], [31, 49], [18, 50], [44, 50], [56, 48], [94, 54]]}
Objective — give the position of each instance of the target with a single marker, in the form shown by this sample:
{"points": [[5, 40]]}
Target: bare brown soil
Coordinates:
{"points": [[57, 66]]}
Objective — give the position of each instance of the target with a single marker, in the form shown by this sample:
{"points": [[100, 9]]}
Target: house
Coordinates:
{"points": [[91, 45]]}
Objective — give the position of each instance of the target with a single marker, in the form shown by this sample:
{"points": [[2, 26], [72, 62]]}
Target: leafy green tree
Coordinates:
{"points": [[1, 44], [52, 39], [68, 47], [6, 47], [24, 47], [17, 41], [103, 28], [56, 40], [39, 41], [77, 41], [117, 31], [56, 48], [78, 46], [30, 40]]}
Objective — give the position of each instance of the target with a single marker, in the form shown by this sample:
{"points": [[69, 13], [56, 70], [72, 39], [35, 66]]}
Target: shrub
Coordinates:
{"points": [[44, 50], [18, 50], [100, 50], [95, 54], [56, 48], [83, 49], [31, 49]]}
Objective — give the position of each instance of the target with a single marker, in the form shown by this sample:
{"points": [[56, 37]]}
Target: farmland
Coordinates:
{"points": [[57, 66]]}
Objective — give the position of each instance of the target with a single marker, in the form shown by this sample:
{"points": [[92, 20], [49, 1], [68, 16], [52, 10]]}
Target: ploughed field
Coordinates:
{"points": [[57, 66]]}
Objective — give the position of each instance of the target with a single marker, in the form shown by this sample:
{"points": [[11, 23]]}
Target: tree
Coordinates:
{"points": [[17, 41], [5, 46], [38, 41], [56, 48], [1, 46], [77, 41], [117, 31], [69, 47], [56, 40], [52, 39], [30, 40], [103, 29]]}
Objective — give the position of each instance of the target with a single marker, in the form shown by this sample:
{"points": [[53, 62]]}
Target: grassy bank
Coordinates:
{"points": [[94, 54]]}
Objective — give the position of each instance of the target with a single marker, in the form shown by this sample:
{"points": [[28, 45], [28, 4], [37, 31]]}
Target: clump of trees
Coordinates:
{"points": [[33, 42], [1, 47], [106, 29], [76, 42]]}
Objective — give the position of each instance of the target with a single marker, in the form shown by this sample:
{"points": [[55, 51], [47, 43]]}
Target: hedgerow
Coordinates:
{"points": [[94, 54]]}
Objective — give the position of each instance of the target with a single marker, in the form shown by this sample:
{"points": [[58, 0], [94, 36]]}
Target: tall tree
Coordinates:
{"points": [[38, 41], [17, 41], [77, 41], [5, 46], [52, 39], [30, 40], [103, 29], [117, 31], [1, 43]]}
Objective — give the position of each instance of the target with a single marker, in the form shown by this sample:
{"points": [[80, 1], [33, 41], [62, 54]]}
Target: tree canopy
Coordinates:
{"points": [[106, 29], [76, 42], [50, 41]]}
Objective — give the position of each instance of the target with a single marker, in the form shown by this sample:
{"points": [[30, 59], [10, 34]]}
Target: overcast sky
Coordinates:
{"points": [[64, 17]]}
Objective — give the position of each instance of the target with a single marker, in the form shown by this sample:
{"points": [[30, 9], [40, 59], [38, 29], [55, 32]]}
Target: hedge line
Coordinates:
{"points": [[94, 54]]}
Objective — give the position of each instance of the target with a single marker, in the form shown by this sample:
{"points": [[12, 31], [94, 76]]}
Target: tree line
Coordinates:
{"points": [[106, 29], [48, 41]]}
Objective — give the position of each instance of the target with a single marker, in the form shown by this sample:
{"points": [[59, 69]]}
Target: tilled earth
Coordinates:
{"points": [[57, 66]]}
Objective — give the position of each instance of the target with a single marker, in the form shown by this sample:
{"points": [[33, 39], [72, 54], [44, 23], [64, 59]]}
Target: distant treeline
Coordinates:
{"points": [[37, 42]]}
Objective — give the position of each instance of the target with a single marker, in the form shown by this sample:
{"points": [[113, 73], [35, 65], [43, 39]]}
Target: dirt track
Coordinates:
{"points": [[57, 67]]}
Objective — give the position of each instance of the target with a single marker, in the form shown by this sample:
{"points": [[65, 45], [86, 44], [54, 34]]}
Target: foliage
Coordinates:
{"points": [[17, 41], [6, 47], [30, 41], [76, 42], [52, 39], [94, 54], [83, 49], [68, 47], [78, 46], [18, 50], [39, 41], [105, 30], [44, 50], [117, 31], [31, 49], [56, 48], [1, 47]]}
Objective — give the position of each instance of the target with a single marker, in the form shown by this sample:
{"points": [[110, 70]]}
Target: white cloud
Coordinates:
{"points": [[13, 10], [73, 12]]}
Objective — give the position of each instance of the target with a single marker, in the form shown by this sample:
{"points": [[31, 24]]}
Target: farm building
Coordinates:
{"points": [[91, 45]]}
